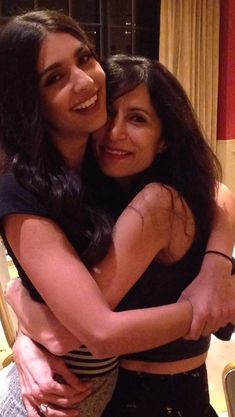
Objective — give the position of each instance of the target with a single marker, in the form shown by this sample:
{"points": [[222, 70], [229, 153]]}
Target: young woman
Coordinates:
{"points": [[127, 150], [48, 213]]}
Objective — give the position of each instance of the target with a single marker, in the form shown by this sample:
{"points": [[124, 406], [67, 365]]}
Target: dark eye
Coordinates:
{"points": [[53, 79], [138, 118], [85, 57]]}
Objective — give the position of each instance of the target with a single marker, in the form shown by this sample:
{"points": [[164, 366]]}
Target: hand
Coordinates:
{"points": [[209, 295], [45, 379]]}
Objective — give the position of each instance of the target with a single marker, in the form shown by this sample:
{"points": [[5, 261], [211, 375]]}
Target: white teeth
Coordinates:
{"points": [[86, 103], [115, 151]]}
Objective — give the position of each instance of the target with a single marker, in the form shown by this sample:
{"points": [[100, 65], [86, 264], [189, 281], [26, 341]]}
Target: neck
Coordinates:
{"points": [[125, 183]]}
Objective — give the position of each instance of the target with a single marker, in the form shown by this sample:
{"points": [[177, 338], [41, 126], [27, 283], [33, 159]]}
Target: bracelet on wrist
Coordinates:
{"points": [[216, 252]]}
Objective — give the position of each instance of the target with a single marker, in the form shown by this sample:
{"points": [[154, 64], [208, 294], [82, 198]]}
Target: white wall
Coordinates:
{"points": [[226, 155]]}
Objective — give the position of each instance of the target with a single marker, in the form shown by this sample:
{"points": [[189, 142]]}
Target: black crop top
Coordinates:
{"points": [[160, 285]]}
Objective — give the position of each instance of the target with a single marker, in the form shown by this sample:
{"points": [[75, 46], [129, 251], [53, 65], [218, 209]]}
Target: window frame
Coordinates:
{"points": [[104, 26]]}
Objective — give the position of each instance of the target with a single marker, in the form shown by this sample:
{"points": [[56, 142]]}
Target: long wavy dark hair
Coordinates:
{"points": [[187, 162], [25, 144]]}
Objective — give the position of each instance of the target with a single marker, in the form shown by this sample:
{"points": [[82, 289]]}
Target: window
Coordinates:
{"points": [[115, 26]]}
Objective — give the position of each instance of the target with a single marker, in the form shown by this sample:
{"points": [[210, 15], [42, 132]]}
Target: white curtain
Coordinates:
{"points": [[189, 47]]}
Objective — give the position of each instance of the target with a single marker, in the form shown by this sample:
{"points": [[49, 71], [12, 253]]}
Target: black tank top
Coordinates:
{"points": [[162, 284]]}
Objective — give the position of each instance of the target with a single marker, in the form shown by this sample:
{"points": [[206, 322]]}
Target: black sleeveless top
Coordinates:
{"points": [[162, 284]]}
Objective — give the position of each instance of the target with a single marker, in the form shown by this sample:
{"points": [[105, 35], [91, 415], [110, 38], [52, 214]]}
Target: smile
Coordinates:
{"points": [[86, 104], [115, 152]]}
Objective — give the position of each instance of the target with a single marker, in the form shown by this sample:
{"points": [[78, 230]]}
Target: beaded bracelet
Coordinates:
{"points": [[221, 254]]}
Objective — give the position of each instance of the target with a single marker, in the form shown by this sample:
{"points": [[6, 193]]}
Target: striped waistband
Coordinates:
{"points": [[83, 363]]}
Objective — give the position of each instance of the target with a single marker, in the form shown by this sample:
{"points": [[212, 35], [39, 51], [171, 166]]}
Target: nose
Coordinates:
{"points": [[116, 129], [81, 81]]}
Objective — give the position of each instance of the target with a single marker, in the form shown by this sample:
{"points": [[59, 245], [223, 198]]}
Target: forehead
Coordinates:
{"points": [[139, 97], [137, 100], [57, 47]]}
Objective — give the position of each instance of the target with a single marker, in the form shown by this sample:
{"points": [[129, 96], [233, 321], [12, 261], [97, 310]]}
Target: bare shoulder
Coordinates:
{"points": [[167, 213], [155, 196], [156, 205]]}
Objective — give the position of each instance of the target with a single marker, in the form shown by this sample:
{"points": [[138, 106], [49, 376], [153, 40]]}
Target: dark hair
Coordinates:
{"points": [[25, 144], [22, 125], [187, 163]]}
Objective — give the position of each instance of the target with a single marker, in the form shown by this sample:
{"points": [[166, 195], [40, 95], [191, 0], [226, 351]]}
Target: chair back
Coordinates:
{"points": [[7, 316], [229, 387]]}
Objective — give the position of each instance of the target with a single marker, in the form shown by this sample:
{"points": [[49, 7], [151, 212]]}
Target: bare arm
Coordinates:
{"points": [[110, 293], [65, 278], [126, 270], [209, 291], [222, 237], [37, 321]]}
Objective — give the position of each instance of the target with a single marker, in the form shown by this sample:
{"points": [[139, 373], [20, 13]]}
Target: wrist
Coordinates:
{"points": [[219, 258], [214, 267], [219, 253]]}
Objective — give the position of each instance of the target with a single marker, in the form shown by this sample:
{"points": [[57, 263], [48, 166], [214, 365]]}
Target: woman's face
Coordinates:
{"points": [[72, 87], [130, 140]]}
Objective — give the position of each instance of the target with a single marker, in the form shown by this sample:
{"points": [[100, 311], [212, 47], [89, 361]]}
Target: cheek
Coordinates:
{"points": [[101, 74], [99, 77], [147, 155], [55, 101]]}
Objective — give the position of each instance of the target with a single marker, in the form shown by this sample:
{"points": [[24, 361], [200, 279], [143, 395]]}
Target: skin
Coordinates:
{"points": [[22, 229], [130, 125], [73, 96], [126, 146], [63, 95], [65, 74], [131, 139]]}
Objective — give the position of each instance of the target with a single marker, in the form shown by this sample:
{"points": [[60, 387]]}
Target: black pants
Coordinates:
{"points": [[146, 395]]}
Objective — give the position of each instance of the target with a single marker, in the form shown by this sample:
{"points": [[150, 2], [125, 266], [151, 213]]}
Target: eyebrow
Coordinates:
{"points": [[59, 63], [141, 110], [137, 108]]}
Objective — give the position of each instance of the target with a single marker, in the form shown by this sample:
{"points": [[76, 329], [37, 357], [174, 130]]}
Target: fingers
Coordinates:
{"points": [[53, 392], [78, 389], [196, 329], [43, 387], [205, 324], [53, 412], [67, 403], [64, 376], [49, 411], [62, 401], [213, 327], [30, 408]]}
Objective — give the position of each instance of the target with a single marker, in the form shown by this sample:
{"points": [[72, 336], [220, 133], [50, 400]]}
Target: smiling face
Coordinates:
{"points": [[129, 142], [72, 88]]}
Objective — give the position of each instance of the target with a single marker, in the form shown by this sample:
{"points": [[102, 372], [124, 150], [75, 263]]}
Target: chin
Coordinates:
{"points": [[98, 124], [111, 173]]}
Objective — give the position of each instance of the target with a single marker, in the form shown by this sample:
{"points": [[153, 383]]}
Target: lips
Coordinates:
{"points": [[114, 153], [86, 104]]}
